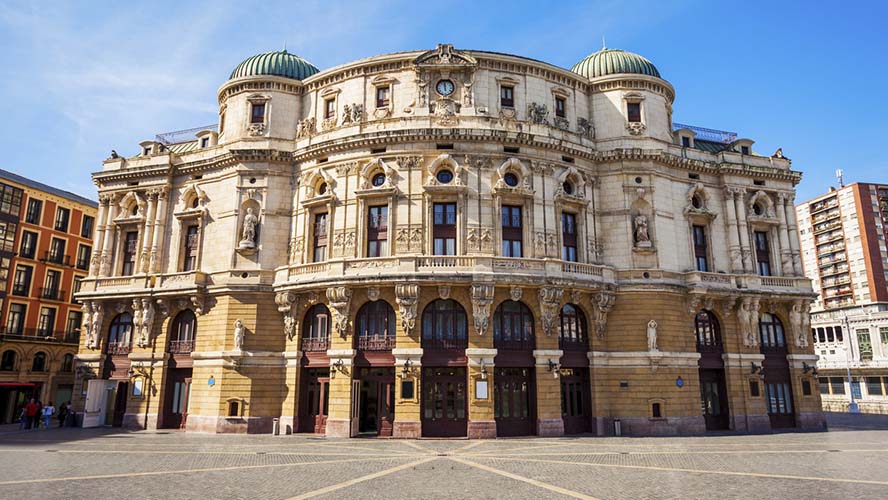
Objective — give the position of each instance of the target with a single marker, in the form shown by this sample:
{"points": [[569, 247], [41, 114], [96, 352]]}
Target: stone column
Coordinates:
{"points": [[408, 364], [745, 250], [783, 236], [548, 392], [147, 232], [792, 228], [340, 421], [733, 236], [157, 245], [99, 236], [105, 265], [482, 424]]}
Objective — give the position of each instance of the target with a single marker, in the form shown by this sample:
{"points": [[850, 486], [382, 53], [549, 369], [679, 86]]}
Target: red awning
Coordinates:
{"points": [[17, 384]]}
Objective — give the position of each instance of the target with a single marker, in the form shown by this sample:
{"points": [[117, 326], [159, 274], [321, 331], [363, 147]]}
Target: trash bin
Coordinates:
{"points": [[618, 427], [276, 426]]}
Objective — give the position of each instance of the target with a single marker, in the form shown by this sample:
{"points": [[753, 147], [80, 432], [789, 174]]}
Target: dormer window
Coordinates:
{"points": [[633, 112], [685, 142], [257, 113], [204, 142], [383, 96], [329, 108], [146, 151], [744, 150], [560, 107], [507, 96]]}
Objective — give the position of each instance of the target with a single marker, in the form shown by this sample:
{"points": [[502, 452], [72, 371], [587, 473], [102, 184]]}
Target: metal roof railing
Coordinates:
{"points": [[708, 134], [178, 136]]}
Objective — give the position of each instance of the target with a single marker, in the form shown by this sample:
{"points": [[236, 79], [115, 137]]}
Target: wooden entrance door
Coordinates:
{"points": [[714, 399], [444, 412], [120, 404], [513, 401], [778, 391], [377, 402], [175, 405], [576, 406], [315, 400]]}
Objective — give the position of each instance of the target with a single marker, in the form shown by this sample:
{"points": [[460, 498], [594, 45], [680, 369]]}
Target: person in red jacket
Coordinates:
{"points": [[31, 413]]}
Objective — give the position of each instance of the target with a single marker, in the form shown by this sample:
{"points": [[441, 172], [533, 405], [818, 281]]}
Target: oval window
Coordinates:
{"points": [[757, 209], [511, 179], [322, 189], [444, 176], [378, 180], [567, 187], [696, 202]]}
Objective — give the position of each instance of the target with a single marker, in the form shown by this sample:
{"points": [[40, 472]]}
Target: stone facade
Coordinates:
{"points": [[444, 243]]}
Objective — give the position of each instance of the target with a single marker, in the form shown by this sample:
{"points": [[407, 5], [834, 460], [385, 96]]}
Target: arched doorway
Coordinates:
{"points": [[513, 381], [778, 384], [117, 365], [314, 384], [713, 390], [375, 368], [573, 340], [444, 381], [177, 389]]}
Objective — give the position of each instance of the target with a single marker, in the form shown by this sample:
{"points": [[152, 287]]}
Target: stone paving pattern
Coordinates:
{"points": [[101, 463]]}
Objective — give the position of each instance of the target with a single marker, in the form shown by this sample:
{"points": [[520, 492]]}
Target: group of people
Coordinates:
{"points": [[34, 412]]}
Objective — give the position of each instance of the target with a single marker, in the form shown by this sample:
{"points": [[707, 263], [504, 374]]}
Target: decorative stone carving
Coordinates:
{"points": [[248, 231], [444, 159], [561, 123], [385, 112], [482, 298], [537, 113], [635, 128], [516, 167], [256, 129], [328, 124], [371, 169], [286, 302], [444, 291], [373, 293], [198, 302], [515, 293], [642, 236], [137, 323], [407, 296], [550, 306], [747, 317], [338, 301], [585, 128], [652, 336], [604, 302], [800, 322], [765, 204], [444, 110], [147, 323], [306, 128], [238, 335], [86, 325]]}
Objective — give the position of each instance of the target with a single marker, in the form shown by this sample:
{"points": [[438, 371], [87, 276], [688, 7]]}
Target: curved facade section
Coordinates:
{"points": [[447, 243]]}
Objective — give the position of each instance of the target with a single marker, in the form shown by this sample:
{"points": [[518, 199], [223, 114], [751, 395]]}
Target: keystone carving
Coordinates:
{"points": [[482, 299], [550, 305], [338, 301], [407, 296]]}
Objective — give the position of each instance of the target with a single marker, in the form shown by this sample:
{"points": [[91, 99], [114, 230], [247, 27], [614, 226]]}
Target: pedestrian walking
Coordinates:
{"points": [[23, 418], [48, 412], [71, 419], [63, 414], [31, 413]]}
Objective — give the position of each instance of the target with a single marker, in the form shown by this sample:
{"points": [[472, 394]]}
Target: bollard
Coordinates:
{"points": [[618, 428], [276, 426]]}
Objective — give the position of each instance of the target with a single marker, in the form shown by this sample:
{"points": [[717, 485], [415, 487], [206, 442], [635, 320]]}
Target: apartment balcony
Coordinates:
{"points": [[823, 205], [825, 216], [119, 348], [181, 346], [319, 344], [52, 294], [376, 342], [833, 259], [58, 259], [829, 237], [838, 302], [38, 335], [835, 292], [827, 226]]}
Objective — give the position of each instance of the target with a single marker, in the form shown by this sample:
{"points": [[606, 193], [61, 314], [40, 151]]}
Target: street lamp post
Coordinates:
{"points": [[852, 406]]}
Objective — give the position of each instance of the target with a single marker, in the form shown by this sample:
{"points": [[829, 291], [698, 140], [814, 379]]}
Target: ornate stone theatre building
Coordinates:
{"points": [[447, 243]]}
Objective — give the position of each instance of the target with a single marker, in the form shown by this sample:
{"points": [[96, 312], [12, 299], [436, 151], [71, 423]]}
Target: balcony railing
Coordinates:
{"points": [[34, 334], [52, 294], [376, 343], [119, 348], [82, 264], [445, 344], [181, 346], [56, 258], [20, 289], [320, 344]]}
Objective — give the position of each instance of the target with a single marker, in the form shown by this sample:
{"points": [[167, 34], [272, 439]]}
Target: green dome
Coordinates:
{"points": [[614, 61], [278, 63]]}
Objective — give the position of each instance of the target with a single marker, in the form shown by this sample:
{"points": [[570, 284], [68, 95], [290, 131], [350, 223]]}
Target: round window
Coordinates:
{"points": [[757, 209], [194, 202], [378, 180], [567, 187], [444, 176], [696, 202], [322, 189], [511, 179]]}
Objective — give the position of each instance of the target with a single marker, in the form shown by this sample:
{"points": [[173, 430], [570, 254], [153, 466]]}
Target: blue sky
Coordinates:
{"points": [[78, 79]]}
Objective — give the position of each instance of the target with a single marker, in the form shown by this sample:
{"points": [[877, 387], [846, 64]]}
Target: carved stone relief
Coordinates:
{"points": [[550, 306], [407, 297], [338, 301], [482, 298]]}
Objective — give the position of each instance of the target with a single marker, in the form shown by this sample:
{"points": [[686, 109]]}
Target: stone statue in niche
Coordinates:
{"points": [[248, 233], [642, 235], [238, 335], [652, 335]]}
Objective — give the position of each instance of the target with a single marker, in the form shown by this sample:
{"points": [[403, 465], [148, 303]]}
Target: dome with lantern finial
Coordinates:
{"points": [[277, 63], [607, 62]]}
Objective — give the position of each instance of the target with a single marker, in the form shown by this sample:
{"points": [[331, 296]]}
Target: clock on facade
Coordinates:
{"points": [[444, 87]]}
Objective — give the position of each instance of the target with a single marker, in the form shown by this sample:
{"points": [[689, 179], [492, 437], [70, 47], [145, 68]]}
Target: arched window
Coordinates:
{"points": [[771, 332], [572, 332], [444, 325], [316, 329], [182, 332], [513, 326], [376, 326], [67, 363], [7, 363], [39, 364], [708, 332], [121, 329]]}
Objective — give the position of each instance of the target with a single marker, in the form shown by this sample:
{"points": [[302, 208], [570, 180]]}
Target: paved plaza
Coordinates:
{"points": [[101, 463]]}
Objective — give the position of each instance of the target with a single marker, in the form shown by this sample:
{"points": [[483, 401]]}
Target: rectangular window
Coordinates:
{"points": [[320, 238], [21, 281], [189, 259], [837, 384], [46, 322], [377, 231], [560, 107], [700, 249], [29, 245], [444, 228], [874, 386], [63, 215], [839, 337], [131, 239], [84, 253], [883, 334], [4, 273], [74, 320], [15, 320], [204, 142], [685, 142], [865, 345], [512, 231], [633, 112], [762, 253], [10, 200], [257, 113], [329, 108], [75, 287], [744, 150], [507, 97], [32, 216], [383, 96], [86, 227], [56, 251], [7, 236], [568, 237], [824, 385]]}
